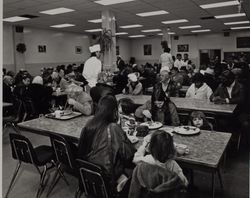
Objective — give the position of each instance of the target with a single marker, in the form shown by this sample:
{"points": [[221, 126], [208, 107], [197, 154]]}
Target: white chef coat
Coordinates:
{"points": [[92, 67]]}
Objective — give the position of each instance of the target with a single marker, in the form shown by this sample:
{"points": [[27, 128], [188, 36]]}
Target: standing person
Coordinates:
{"points": [[120, 63], [92, 67], [185, 59], [166, 59]]}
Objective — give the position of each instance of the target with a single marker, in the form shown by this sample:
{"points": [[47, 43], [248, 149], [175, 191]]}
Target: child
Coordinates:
{"points": [[162, 152], [134, 87], [198, 119]]}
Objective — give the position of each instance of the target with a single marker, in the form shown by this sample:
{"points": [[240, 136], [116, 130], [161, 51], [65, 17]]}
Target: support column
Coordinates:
{"points": [[19, 58], [108, 23], [166, 36]]}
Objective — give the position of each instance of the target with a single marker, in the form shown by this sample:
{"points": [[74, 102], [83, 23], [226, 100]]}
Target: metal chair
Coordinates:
{"points": [[23, 151], [64, 157], [91, 181]]}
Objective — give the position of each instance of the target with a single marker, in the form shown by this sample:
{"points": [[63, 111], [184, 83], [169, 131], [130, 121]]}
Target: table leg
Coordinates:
{"points": [[220, 178], [213, 188]]}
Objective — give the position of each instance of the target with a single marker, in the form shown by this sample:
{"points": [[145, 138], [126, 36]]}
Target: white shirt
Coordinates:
{"points": [[203, 93], [166, 60], [92, 67], [179, 63]]}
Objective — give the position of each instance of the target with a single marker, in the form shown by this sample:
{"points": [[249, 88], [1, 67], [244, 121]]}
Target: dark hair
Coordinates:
{"points": [[167, 49], [162, 146], [127, 105], [228, 74], [198, 77]]}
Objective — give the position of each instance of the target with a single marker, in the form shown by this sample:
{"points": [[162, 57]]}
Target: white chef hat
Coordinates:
{"points": [[95, 48], [132, 77]]}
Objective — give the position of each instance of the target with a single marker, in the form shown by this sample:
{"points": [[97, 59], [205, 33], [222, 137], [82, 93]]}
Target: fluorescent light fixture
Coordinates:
{"points": [[190, 27], [111, 2], [240, 28], [171, 33], [152, 30], [94, 30], [121, 33], [62, 25], [153, 13], [205, 30], [221, 4], [237, 23], [95, 21], [175, 21], [56, 11], [15, 19], [160, 34], [136, 36], [131, 26], [230, 15]]}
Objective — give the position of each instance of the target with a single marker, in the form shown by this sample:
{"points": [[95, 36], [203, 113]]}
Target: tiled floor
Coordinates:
{"points": [[235, 176]]}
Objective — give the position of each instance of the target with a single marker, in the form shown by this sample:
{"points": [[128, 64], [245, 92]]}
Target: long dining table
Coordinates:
{"points": [[186, 104], [205, 149]]}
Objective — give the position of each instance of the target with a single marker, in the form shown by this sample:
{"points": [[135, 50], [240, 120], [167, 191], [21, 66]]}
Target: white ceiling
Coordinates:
{"points": [[125, 14]]}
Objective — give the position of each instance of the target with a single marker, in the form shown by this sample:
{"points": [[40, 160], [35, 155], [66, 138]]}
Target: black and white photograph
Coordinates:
{"points": [[125, 99]]}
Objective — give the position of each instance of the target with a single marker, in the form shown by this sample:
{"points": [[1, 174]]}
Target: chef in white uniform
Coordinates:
{"points": [[92, 67]]}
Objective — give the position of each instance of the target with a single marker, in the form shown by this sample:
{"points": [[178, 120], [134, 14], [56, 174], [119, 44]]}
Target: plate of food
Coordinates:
{"points": [[67, 112], [152, 125], [186, 130]]}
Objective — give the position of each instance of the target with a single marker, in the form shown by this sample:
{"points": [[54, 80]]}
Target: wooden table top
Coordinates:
{"points": [[186, 104], [206, 148], [7, 104]]}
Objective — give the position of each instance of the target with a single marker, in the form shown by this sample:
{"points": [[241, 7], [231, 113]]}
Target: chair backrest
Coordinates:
{"points": [[22, 149], [62, 150], [92, 180]]}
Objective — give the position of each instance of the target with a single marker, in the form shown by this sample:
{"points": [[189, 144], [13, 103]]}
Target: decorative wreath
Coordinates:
{"points": [[21, 47]]}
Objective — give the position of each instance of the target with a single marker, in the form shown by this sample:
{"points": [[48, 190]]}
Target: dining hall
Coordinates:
{"points": [[125, 98]]}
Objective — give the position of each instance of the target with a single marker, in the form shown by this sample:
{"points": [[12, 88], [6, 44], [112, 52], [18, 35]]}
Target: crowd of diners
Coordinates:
{"points": [[92, 92]]}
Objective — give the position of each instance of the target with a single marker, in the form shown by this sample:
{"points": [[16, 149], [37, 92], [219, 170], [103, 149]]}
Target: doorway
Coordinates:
{"points": [[209, 55]]}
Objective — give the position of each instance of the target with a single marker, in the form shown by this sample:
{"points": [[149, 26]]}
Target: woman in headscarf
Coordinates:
{"points": [[80, 100]]}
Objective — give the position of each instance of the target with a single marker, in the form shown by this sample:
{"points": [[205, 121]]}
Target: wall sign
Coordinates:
{"points": [[78, 49], [42, 48], [183, 48], [147, 50]]}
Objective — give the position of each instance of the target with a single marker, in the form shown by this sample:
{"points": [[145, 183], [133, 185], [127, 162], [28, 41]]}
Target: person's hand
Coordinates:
{"points": [[147, 114], [219, 100], [71, 101]]}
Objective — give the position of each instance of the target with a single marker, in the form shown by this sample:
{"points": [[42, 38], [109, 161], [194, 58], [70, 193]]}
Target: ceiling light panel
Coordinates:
{"points": [[237, 23], [15, 19], [95, 21], [240, 28], [153, 13], [121, 33], [57, 11], [136, 36], [221, 4], [190, 27], [94, 30], [205, 30], [152, 30], [175, 21], [131, 26], [230, 15], [62, 25], [112, 2]]}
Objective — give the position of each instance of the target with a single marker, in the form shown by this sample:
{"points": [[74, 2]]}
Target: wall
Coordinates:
{"points": [[195, 42], [125, 48], [8, 52], [60, 48]]}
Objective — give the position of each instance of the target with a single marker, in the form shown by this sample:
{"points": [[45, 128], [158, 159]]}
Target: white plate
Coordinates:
{"points": [[133, 139], [186, 130], [152, 125]]}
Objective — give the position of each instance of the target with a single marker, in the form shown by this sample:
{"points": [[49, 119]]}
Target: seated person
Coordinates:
{"points": [[134, 87], [160, 109], [177, 77], [166, 85], [198, 119], [21, 90], [229, 91], [40, 95], [102, 134], [101, 89], [160, 160], [7, 88], [79, 99], [199, 89]]}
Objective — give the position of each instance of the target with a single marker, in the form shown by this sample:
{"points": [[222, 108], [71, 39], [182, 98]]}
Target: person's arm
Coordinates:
{"points": [[188, 94], [140, 109], [215, 94], [239, 96], [85, 108], [177, 169], [209, 92], [138, 89], [174, 115]]}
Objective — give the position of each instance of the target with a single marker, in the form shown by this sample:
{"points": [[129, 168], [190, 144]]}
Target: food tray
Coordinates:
{"points": [[74, 114]]}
